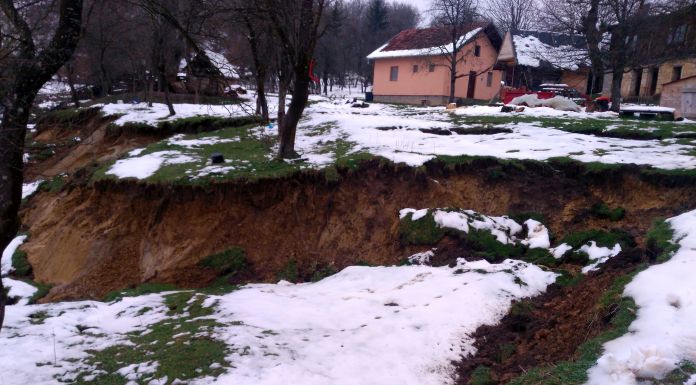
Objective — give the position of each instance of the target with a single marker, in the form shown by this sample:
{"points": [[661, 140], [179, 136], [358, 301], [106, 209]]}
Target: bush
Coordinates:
{"points": [[229, 262], [21, 265], [602, 211], [289, 272], [423, 231]]}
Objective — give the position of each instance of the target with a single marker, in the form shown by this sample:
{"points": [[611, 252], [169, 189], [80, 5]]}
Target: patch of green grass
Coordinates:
{"points": [[53, 185], [603, 238], [69, 116], [659, 241], [39, 317], [230, 261], [540, 256], [602, 211], [323, 273], [566, 279], [289, 272], [143, 289], [42, 290], [486, 245], [521, 217], [184, 347], [481, 376], [423, 231], [678, 376], [21, 265]]}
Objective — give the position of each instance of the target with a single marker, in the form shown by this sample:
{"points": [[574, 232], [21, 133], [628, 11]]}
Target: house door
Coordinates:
{"points": [[472, 85]]}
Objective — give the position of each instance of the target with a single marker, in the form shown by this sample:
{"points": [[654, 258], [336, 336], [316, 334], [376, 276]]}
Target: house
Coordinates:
{"points": [[533, 58], [680, 95], [411, 68], [664, 51], [206, 73]]}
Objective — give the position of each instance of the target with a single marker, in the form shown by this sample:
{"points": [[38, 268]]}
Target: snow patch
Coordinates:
{"points": [[663, 333]]}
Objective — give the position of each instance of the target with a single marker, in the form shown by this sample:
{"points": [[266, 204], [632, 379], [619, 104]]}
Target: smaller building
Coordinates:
{"points": [[412, 67], [680, 95], [533, 58]]}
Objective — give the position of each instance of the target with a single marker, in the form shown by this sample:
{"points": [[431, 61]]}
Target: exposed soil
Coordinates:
{"points": [[558, 322], [89, 239], [98, 141]]}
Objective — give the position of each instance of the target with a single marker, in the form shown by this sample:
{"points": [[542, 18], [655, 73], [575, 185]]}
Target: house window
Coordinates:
{"points": [[489, 79], [394, 74], [477, 51], [431, 68], [676, 73], [678, 35], [415, 68]]}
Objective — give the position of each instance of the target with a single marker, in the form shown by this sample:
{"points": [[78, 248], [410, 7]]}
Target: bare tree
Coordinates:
{"points": [[512, 15], [454, 18], [296, 23], [25, 66]]}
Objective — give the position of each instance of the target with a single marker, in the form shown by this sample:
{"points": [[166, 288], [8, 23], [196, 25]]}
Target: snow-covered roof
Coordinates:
{"points": [[219, 60], [423, 42], [227, 69], [535, 48]]}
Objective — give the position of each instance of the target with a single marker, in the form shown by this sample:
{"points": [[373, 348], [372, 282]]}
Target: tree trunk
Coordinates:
{"points": [[165, 87], [453, 81], [292, 118], [616, 80], [594, 37], [21, 84], [12, 133]]}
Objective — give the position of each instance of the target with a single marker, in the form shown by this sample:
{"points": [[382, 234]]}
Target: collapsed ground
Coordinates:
{"points": [[95, 228]]}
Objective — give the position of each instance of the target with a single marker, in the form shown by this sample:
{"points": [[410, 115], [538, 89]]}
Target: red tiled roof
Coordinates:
{"points": [[425, 37]]}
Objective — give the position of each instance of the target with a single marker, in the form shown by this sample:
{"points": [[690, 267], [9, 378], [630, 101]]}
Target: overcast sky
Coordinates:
{"points": [[421, 4]]}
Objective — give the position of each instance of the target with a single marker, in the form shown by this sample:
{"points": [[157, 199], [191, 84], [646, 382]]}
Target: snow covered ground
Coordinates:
{"points": [[664, 333], [395, 132], [364, 325], [159, 112]]}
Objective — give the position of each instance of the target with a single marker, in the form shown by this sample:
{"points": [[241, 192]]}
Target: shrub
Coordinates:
{"points": [[21, 265], [602, 211], [229, 262], [289, 272], [423, 231]]}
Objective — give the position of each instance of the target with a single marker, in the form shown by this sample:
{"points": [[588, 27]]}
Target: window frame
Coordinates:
{"points": [[477, 50], [394, 74]]}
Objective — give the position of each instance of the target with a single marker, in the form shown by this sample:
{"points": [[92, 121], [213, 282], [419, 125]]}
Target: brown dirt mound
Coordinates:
{"points": [[98, 142], [90, 239]]}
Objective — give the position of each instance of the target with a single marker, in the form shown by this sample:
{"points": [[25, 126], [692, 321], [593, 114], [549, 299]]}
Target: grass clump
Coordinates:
{"points": [[42, 290], [143, 289], [679, 375], [659, 241], [602, 211], [20, 264], [423, 231], [481, 376], [289, 272], [229, 262], [53, 185], [69, 116], [603, 238], [322, 273]]}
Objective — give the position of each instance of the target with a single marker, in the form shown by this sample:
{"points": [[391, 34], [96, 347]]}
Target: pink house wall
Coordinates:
{"points": [[436, 83]]}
